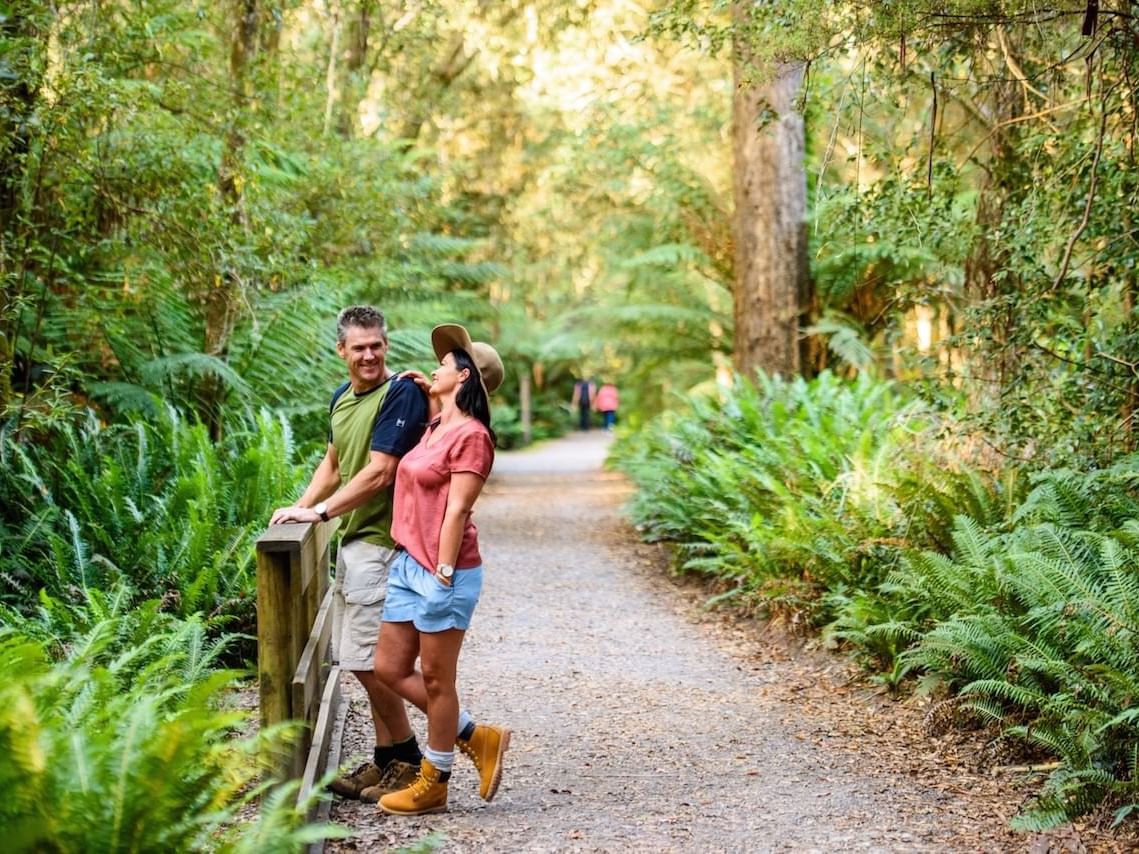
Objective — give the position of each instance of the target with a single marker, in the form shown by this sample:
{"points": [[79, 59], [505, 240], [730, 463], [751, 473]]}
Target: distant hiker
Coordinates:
{"points": [[583, 391], [606, 401], [437, 576]]}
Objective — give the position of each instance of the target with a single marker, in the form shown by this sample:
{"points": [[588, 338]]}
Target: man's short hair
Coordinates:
{"points": [[363, 316]]}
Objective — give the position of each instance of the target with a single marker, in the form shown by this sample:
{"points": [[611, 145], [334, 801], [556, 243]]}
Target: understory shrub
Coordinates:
{"points": [[1018, 593], [154, 503], [1034, 626], [791, 490], [120, 741]]}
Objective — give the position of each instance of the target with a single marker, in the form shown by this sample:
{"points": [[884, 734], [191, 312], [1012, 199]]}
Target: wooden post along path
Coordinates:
{"points": [[297, 680]]}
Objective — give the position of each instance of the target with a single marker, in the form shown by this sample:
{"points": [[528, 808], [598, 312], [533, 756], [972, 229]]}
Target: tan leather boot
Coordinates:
{"points": [[485, 749], [397, 775], [428, 794], [350, 785]]}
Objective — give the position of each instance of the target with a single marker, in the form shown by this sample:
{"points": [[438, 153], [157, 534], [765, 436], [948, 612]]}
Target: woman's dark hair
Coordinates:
{"points": [[471, 397]]}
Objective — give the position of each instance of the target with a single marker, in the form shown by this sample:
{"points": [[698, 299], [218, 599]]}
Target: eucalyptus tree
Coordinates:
{"points": [[772, 285]]}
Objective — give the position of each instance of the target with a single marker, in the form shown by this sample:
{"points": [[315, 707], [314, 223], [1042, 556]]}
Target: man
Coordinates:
{"points": [[583, 391], [375, 418]]}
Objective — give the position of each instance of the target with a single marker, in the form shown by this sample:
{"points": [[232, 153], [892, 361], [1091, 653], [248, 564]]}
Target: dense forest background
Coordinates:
{"points": [[864, 273]]}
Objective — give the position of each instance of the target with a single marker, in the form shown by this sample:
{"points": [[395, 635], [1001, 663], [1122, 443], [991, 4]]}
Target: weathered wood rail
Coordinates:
{"points": [[297, 680]]}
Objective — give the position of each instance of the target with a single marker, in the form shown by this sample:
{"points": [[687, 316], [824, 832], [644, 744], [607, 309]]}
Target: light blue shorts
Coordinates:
{"points": [[416, 596]]}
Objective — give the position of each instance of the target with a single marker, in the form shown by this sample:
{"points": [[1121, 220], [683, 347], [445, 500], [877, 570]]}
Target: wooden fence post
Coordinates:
{"points": [[294, 637]]}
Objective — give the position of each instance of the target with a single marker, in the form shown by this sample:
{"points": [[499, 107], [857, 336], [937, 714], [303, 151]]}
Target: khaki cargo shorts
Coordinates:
{"points": [[358, 602]]}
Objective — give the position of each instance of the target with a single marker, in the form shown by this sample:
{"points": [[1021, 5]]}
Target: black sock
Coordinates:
{"points": [[383, 755], [407, 750], [468, 731]]}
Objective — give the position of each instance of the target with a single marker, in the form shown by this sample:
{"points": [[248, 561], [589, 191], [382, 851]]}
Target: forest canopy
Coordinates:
{"points": [[865, 274]]}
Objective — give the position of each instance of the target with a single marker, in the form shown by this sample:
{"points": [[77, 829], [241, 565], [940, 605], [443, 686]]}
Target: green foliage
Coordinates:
{"points": [[156, 505], [136, 273], [1032, 620], [784, 488], [823, 497], [124, 744]]}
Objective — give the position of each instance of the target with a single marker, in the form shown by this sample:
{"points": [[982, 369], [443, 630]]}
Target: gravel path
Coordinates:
{"points": [[640, 726]]}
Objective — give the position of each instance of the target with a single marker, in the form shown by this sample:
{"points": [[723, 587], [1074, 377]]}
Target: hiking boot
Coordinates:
{"points": [[397, 775], [352, 784], [485, 749], [426, 794]]}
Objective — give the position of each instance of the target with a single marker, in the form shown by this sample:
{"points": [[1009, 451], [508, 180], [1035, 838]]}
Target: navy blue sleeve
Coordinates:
{"points": [[402, 418], [336, 395]]}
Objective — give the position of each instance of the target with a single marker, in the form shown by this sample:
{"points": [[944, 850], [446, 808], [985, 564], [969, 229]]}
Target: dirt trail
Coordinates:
{"points": [[639, 726]]}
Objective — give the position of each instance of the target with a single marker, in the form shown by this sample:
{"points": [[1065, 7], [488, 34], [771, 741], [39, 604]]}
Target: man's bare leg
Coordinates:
{"points": [[389, 715]]}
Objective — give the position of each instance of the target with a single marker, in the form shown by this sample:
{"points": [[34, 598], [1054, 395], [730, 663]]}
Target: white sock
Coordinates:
{"points": [[465, 720], [442, 761]]}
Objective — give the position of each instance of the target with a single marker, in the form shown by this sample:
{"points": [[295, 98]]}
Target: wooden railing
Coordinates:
{"points": [[294, 629]]}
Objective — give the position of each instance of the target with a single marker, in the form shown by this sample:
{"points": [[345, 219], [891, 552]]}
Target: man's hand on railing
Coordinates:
{"points": [[293, 514]]}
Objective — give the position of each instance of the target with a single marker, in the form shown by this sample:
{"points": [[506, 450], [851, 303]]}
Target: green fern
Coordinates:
{"points": [[123, 744], [156, 504]]}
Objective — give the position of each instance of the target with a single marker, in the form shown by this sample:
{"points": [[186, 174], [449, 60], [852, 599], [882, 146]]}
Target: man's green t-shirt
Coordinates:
{"points": [[389, 418]]}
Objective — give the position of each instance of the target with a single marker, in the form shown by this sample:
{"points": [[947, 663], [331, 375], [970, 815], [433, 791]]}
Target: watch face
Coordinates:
{"points": [[446, 570]]}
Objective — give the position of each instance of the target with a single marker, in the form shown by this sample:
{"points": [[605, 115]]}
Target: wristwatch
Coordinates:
{"points": [[322, 510], [445, 570]]}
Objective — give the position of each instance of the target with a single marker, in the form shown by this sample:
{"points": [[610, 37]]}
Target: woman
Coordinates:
{"points": [[435, 581], [606, 403]]}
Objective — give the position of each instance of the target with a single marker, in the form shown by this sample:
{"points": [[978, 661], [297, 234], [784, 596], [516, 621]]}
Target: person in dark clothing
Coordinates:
{"points": [[583, 392]]}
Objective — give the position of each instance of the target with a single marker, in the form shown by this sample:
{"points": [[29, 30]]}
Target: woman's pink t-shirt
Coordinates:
{"points": [[423, 482]]}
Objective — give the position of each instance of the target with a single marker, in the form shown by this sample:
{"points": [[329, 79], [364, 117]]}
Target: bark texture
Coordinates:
{"points": [[19, 97], [223, 296], [772, 287]]}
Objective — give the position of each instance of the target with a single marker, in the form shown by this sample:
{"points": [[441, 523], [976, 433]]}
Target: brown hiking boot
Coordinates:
{"points": [[427, 794], [485, 749], [352, 784], [397, 775]]}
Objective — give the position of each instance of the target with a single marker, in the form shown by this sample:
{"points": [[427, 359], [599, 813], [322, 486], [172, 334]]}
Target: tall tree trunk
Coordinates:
{"points": [[454, 61], [991, 367], [223, 298], [525, 406], [772, 287], [356, 74], [20, 99], [332, 94], [1130, 409]]}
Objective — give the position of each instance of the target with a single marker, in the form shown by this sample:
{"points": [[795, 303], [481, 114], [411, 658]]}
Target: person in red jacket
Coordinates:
{"points": [[606, 401]]}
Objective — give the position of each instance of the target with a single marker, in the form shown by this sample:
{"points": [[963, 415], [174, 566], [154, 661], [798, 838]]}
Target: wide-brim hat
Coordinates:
{"points": [[448, 336]]}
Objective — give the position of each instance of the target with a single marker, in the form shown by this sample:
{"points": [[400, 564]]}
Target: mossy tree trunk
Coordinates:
{"points": [[988, 279], [19, 32]]}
